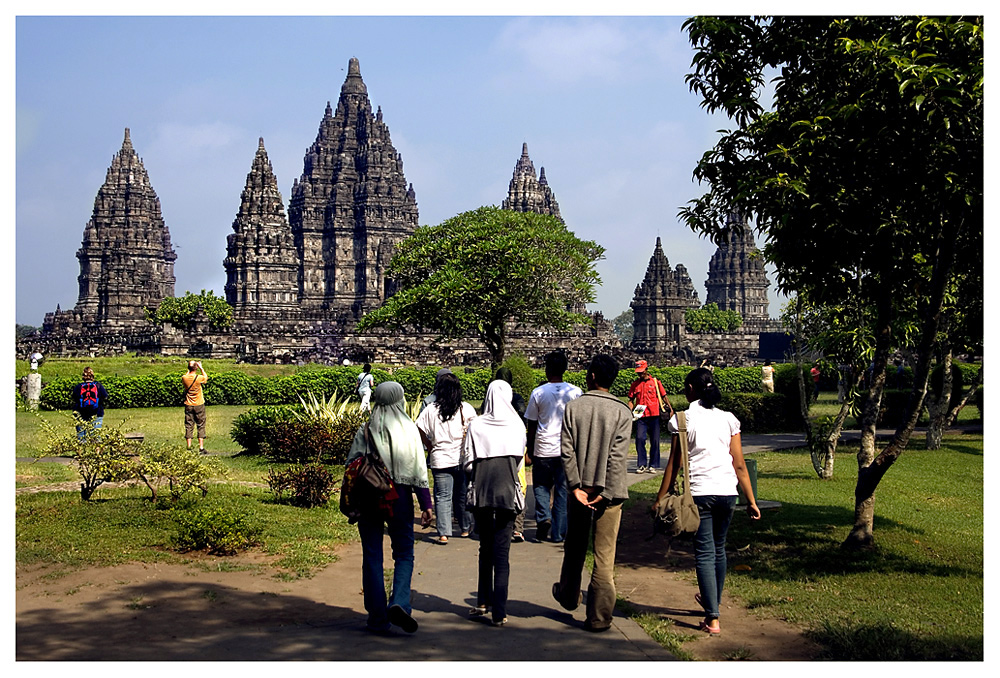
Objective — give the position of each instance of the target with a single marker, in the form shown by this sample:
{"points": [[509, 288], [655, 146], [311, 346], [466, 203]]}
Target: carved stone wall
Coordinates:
{"points": [[261, 261], [528, 193], [126, 259], [351, 207], [736, 279]]}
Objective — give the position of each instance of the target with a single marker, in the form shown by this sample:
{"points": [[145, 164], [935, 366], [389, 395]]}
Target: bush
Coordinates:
{"points": [[217, 530], [252, 429], [180, 468], [279, 432], [310, 485], [103, 455], [757, 412], [525, 377]]}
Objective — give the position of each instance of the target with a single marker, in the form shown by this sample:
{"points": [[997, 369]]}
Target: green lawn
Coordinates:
{"points": [[918, 595]]}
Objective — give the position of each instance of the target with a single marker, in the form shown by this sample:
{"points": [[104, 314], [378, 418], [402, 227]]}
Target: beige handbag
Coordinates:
{"points": [[677, 514]]}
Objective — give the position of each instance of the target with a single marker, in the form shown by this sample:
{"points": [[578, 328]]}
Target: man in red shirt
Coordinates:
{"points": [[647, 390]]}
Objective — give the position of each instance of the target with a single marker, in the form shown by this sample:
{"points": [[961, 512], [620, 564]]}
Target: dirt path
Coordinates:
{"points": [[665, 586]]}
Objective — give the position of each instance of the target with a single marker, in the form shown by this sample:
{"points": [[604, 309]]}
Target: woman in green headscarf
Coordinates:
{"points": [[395, 437]]}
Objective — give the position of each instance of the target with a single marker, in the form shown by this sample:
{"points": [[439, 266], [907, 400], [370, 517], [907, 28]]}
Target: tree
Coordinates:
{"points": [[710, 318], [483, 271], [182, 312], [866, 175], [623, 326]]}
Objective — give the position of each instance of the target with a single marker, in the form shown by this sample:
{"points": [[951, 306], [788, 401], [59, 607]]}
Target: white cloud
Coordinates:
{"points": [[188, 142], [584, 49]]}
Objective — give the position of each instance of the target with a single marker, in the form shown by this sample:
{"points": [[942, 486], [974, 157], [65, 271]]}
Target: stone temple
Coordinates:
{"points": [[299, 284], [126, 259]]}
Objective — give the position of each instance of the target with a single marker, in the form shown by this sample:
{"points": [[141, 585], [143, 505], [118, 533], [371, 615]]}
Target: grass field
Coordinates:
{"points": [[918, 595]]}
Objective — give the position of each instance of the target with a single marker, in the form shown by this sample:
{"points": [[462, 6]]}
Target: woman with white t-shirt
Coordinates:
{"points": [[716, 467], [442, 426]]}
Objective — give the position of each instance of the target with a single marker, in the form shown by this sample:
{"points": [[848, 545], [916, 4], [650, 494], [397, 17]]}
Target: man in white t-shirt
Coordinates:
{"points": [[544, 416]]}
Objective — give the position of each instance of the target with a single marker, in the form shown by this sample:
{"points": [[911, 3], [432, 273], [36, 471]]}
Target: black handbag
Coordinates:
{"points": [[677, 514]]}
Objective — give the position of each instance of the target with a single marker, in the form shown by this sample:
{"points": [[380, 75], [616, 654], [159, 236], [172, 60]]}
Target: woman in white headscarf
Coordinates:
{"points": [[493, 450], [395, 437]]}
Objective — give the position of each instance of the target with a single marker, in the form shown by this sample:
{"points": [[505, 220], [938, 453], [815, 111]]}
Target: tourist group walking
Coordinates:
{"points": [[577, 444]]}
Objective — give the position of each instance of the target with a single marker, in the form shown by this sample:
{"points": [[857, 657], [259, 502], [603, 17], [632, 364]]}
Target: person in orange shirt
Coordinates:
{"points": [[194, 403]]}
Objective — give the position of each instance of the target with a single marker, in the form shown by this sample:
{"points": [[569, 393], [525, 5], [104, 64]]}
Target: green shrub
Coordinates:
{"points": [[217, 530], [251, 430], [710, 318], [525, 377], [179, 468], [300, 441], [474, 384], [757, 412], [103, 455], [310, 485]]}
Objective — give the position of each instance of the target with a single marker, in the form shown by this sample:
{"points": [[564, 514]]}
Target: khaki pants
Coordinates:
{"points": [[604, 523], [194, 414]]}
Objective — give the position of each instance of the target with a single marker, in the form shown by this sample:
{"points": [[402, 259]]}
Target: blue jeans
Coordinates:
{"points": [[716, 512], [648, 427], [81, 431], [548, 480], [449, 491], [370, 529]]}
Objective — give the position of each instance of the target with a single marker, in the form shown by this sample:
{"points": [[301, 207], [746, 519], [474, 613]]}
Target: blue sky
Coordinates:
{"points": [[600, 101]]}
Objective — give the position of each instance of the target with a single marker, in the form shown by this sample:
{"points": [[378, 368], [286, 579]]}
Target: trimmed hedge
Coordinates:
{"points": [[239, 388]]}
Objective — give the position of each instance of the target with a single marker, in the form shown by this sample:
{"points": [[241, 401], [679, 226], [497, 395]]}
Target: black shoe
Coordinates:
{"points": [[203, 451], [542, 530], [555, 594], [398, 616]]}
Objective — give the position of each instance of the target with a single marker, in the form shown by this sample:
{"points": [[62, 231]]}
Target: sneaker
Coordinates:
{"points": [[640, 469], [517, 538], [542, 531], [399, 617], [651, 469]]}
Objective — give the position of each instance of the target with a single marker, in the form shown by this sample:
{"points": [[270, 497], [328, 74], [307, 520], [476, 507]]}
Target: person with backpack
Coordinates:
{"points": [[89, 399], [716, 467]]}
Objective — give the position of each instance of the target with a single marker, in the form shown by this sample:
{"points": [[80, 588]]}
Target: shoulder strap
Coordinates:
{"points": [[683, 439]]}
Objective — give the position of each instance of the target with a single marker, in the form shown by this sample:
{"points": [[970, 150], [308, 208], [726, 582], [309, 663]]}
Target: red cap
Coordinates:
{"points": [[640, 366]]}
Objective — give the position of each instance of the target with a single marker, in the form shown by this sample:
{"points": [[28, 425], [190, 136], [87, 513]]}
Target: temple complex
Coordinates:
{"points": [[299, 285], [126, 259], [262, 263], [350, 208], [736, 279], [659, 305], [528, 193]]}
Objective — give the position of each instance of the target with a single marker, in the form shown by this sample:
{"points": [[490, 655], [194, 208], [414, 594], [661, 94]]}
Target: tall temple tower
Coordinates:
{"points": [[736, 279], [659, 305], [528, 193], [126, 259], [351, 207], [261, 263]]}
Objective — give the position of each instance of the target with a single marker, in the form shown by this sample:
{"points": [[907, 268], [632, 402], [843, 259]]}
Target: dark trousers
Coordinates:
{"points": [[648, 427], [495, 526]]}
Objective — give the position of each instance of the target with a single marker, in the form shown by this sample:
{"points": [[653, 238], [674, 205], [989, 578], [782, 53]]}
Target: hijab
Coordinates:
{"points": [[499, 431], [394, 436]]}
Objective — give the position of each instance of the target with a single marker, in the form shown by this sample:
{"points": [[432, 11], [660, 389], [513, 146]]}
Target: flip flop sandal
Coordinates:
{"points": [[712, 631]]}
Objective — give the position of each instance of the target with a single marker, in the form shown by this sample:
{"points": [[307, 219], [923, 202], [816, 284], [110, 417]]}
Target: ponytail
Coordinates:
{"points": [[702, 383]]}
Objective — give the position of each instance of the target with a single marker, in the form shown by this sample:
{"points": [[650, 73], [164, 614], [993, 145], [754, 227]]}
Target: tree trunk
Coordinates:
{"points": [[872, 468], [937, 405]]}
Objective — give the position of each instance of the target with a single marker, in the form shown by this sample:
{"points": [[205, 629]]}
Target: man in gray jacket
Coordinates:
{"points": [[596, 431]]}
